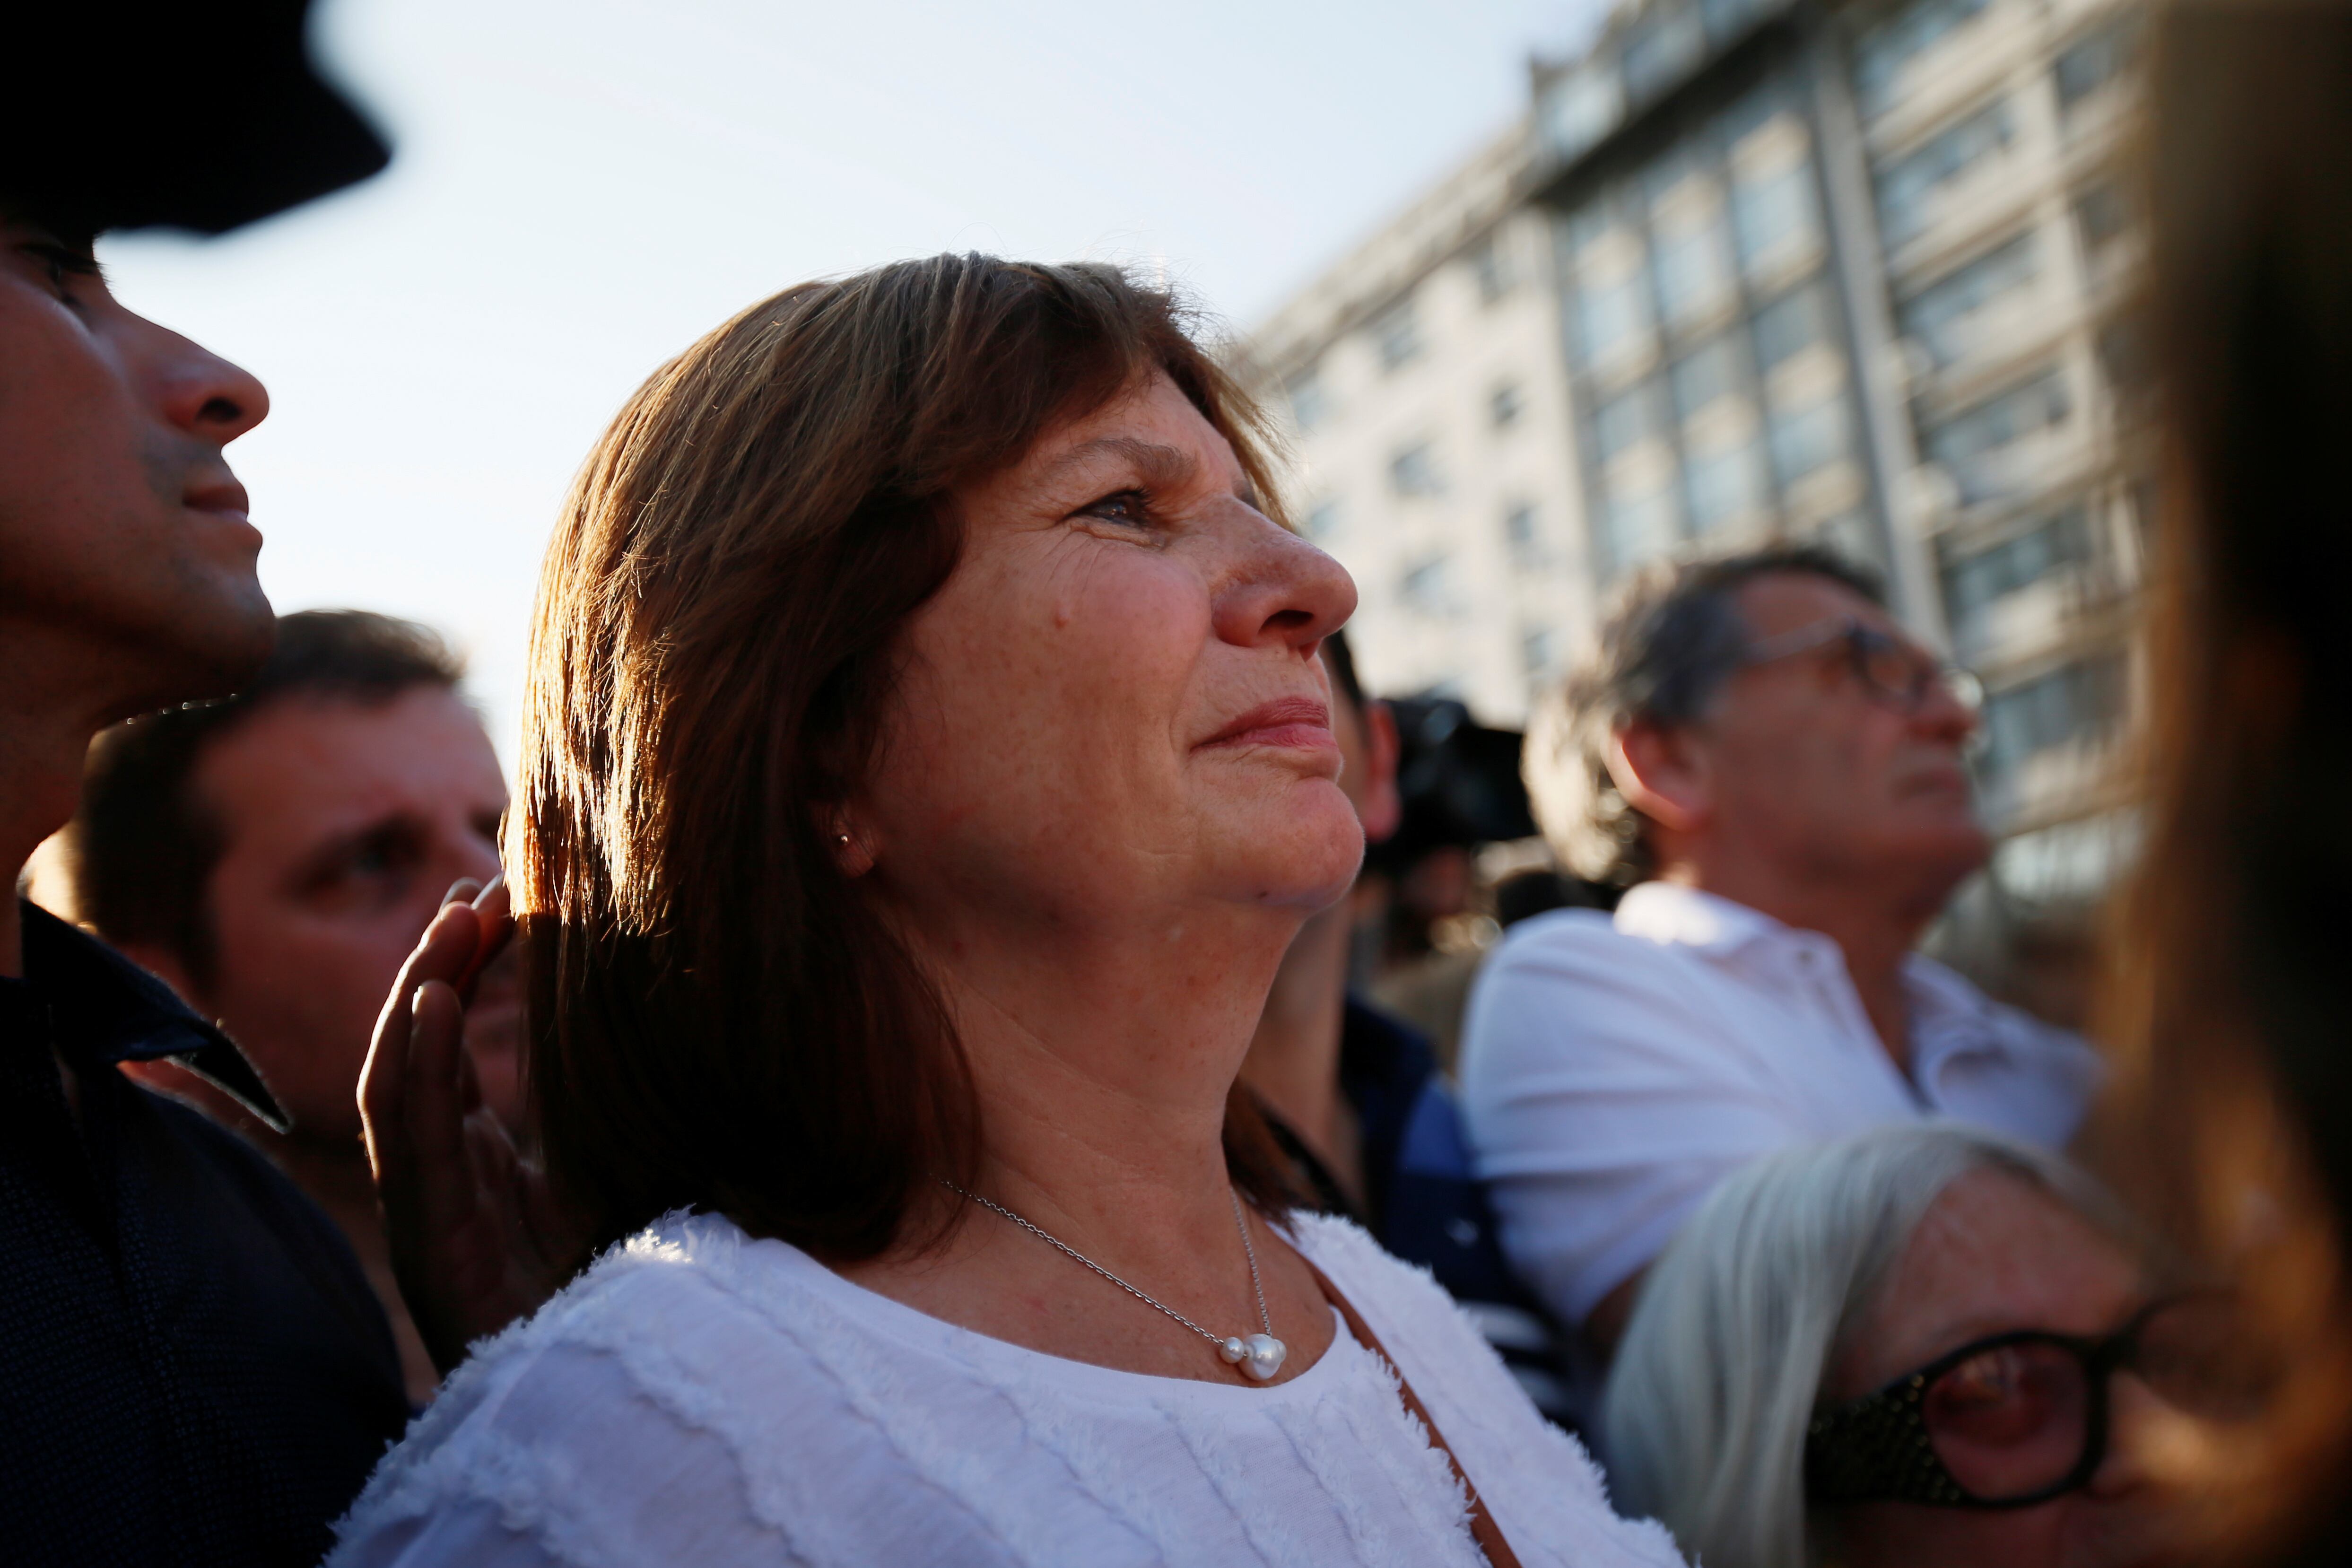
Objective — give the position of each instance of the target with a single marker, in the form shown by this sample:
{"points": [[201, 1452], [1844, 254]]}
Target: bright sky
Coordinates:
{"points": [[581, 187]]}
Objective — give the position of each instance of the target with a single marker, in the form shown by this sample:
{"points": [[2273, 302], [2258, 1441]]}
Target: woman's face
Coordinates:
{"points": [[1112, 716], [1994, 1254]]}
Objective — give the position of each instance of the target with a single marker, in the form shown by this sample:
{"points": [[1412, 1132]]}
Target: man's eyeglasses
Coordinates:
{"points": [[1889, 669], [2019, 1418]]}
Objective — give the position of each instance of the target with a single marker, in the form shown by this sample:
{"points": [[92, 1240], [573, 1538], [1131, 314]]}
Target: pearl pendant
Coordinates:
{"points": [[1266, 1355], [1233, 1351]]}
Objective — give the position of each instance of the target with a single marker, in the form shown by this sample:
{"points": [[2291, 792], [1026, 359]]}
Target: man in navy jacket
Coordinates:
{"points": [[191, 1367]]}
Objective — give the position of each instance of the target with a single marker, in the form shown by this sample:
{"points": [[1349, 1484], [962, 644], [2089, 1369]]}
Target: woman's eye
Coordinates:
{"points": [[1130, 508]]}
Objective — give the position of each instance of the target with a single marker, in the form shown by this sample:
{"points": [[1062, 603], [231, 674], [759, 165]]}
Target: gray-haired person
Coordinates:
{"points": [[1775, 770], [1921, 1345]]}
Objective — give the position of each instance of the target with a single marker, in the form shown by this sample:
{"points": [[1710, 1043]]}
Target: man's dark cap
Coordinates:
{"points": [[147, 113]]}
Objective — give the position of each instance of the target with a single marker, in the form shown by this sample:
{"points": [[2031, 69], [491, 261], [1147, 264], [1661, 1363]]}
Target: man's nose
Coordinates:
{"points": [[202, 392], [1943, 715], [476, 857], [462, 848]]}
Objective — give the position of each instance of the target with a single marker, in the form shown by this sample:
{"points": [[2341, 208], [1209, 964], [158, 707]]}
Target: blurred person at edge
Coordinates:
{"points": [[196, 1371], [1923, 1346], [1355, 1098], [275, 857], [928, 765], [2231, 1124], [1776, 772]]}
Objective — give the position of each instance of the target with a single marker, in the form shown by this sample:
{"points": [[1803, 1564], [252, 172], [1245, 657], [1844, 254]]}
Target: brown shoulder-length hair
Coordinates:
{"points": [[2231, 1006], [717, 1018]]}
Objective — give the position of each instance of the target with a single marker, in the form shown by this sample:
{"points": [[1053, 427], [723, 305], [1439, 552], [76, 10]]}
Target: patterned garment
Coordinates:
{"points": [[193, 1369], [702, 1396]]}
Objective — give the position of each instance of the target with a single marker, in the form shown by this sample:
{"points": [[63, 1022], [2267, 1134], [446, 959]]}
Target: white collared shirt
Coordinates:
{"points": [[1614, 1069]]}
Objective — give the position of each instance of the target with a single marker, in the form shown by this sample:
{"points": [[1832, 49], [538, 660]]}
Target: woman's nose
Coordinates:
{"points": [[202, 392], [2137, 1422], [1285, 590]]}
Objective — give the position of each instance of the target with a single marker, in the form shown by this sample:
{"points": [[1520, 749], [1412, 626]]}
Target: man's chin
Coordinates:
{"points": [[213, 650], [1948, 851], [1962, 854]]}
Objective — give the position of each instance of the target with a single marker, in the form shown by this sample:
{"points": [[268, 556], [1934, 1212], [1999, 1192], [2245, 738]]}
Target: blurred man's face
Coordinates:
{"points": [[126, 559], [343, 824], [1367, 756], [1808, 763]]}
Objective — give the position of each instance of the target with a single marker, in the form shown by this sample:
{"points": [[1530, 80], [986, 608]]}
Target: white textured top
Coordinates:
{"points": [[1614, 1070], [701, 1397]]}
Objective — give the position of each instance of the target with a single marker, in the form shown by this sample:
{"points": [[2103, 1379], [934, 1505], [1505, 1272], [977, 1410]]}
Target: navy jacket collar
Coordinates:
{"points": [[104, 1009]]}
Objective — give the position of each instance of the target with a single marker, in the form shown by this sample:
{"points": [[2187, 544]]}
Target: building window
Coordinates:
{"points": [[2094, 61], [1937, 316], [1974, 583], [2074, 702], [1806, 438], [1322, 519], [1726, 19], [1852, 535], [1639, 525], [1504, 405], [1609, 317], [1491, 269], [1307, 407], [1882, 54], [2125, 364], [1720, 486], [2100, 217], [1625, 421], [1969, 445], [1426, 586], [1413, 471], [1536, 651], [1660, 49], [1396, 336], [1908, 187], [1707, 372], [1789, 325], [1580, 108], [1691, 266], [1519, 531], [1582, 229], [1773, 215]]}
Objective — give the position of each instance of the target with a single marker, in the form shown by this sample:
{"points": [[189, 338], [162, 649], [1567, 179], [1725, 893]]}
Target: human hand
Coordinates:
{"points": [[477, 1238]]}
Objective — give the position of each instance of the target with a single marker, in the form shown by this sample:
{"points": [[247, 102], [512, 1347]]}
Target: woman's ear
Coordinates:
{"points": [[851, 850]]}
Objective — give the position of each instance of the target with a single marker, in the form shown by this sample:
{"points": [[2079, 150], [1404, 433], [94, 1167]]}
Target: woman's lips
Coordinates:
{"points": [[1300, 723]]}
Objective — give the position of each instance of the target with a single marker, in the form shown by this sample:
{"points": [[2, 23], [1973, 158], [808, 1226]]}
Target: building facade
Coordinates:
{"points": [[1992, 131], [1428, 402], [1851, 271]]}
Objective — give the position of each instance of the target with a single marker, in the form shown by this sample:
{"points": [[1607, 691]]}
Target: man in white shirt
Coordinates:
{"points": [[1776, 772]]}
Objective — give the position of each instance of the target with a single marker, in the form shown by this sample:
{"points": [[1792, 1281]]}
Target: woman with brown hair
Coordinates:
{"points": [[927, 764], [2232, 1120]]}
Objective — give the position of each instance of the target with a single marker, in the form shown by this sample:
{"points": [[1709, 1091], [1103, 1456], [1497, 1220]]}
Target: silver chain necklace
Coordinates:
{"points": [[1259, 1356]]}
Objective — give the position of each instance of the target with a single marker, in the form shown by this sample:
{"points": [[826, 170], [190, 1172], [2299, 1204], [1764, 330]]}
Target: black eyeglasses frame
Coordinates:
{"points": [[1861, 640], [1877, 1448]]}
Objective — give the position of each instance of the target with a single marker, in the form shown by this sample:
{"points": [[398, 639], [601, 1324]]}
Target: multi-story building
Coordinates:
{"points": [[1428, 402], [1848, 270], [1991, 130]]}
